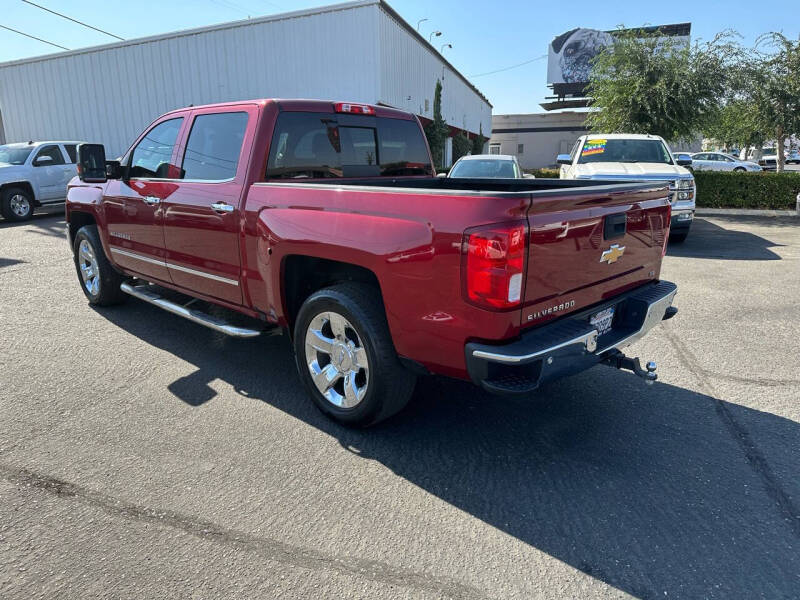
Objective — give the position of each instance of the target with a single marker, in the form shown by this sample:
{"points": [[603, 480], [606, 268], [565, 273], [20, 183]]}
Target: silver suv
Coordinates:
{"points": [[34, 174]]}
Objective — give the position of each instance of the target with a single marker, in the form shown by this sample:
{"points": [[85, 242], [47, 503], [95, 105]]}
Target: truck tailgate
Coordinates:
{"points": [[590, 245]]}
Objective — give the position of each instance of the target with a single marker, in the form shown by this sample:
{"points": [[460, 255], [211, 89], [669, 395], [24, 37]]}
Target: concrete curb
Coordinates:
{"points": [[744, 212]]}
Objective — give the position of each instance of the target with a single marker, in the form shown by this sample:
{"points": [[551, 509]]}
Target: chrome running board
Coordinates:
{"points": [[143, 293]]}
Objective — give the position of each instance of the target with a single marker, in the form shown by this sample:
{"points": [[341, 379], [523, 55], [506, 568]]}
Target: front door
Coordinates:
{"points": [[201, 217], [134, 207], [48, 172]]}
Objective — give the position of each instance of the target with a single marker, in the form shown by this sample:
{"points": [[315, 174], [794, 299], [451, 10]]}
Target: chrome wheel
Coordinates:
{"points": [[337, 360], [20, 205], [90, 272]]}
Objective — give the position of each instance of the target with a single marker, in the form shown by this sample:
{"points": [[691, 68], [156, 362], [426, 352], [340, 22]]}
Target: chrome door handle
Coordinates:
{"points": [[151, 200], [222, 207]]}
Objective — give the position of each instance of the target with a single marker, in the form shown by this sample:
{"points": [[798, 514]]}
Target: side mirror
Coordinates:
{"points": [[564, 159], [92, 163], [41, 161], [684, 162]]}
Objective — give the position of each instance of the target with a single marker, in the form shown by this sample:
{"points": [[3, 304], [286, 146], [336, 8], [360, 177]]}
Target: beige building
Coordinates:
{"points": [[535, 139]]}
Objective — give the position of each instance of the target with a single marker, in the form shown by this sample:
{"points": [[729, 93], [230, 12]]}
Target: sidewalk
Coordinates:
{"points": [[745, 212]]}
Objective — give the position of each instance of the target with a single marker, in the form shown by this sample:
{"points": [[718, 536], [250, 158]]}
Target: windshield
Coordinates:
{"points": [[622, 150], [15, 155], [489, 168]]}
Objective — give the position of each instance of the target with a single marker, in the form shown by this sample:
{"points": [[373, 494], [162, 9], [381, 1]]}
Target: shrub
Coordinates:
{"points": [[543, 173], [722, 189]]}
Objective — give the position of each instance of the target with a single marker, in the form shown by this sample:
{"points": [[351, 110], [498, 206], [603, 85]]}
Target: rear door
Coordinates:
{"points": [[134, 207], [591, 244], [202, 214]]}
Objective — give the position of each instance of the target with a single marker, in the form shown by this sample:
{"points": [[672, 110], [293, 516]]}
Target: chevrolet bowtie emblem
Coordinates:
{"points": [[613, 254]]}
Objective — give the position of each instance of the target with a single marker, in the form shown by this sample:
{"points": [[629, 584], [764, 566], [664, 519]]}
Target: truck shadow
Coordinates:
{"points": [[709, 240], [659, 491]]}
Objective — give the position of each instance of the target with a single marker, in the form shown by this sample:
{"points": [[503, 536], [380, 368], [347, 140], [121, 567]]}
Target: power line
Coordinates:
{"points": [[71, 19], [33, 37], [511, 67]]}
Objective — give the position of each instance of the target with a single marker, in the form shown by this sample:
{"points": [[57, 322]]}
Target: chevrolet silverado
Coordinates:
{"points": [[326, 221]]}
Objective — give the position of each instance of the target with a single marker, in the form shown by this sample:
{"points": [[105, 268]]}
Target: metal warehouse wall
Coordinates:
{"points": [[110, 93], [409, 70]]}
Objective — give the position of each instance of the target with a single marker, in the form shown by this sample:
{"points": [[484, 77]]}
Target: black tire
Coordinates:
{"points": [[389, 385], [739, 170], [107, 291], [10, 204], [678, 238]]}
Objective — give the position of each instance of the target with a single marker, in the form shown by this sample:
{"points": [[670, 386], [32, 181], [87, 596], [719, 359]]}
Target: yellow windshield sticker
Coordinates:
{"points": [[591, 147]]}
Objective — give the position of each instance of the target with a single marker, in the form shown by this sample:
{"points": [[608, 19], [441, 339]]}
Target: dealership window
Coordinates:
{"points": [[151, 157], [520, 148], [214, 145], [494, 148]]}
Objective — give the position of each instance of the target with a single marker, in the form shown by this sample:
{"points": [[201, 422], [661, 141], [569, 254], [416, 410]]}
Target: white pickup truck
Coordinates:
{"points": [[34, 174], [637, 157]]}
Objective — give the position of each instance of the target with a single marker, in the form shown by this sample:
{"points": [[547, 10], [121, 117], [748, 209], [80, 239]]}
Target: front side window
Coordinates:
{"points": [[152, 155], [15, 155], [624, 150], [214, 145], [53, 152], [319, 145]]}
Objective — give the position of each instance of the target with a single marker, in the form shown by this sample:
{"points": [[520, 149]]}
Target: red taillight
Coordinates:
{"points": [[666, 230], [494, 265], [358, 109]]}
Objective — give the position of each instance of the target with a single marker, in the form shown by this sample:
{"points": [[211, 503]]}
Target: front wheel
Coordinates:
{"points": [[99, 281], [346, 358], [16, 204], [739, 170]]}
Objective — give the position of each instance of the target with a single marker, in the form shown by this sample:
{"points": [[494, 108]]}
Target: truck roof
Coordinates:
{"points": [[305, 105], [42, 142]]}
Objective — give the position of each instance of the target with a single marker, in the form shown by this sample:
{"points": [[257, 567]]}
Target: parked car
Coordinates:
{"points": [[685, 158], [635, 157], [487, 166], [793, 158], [768, 162], [719, 161], [34, 174], [325, 221]]}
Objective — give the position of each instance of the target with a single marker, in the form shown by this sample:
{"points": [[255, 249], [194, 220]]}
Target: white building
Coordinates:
{"points": [[359, 51], [536, 139]]}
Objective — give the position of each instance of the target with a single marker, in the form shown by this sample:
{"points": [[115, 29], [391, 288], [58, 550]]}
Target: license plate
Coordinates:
{"points": [[602, 320]]}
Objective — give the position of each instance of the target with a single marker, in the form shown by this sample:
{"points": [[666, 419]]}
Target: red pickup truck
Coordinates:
{"points": [[326, 221]]}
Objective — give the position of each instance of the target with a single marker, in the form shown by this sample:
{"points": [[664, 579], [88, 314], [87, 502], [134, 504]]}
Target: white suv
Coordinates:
{"points": [[635, 157], [34, 174]]}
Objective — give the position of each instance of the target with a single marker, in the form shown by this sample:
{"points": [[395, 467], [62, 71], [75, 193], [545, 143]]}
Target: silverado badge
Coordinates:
{"points": [[613, 254]]}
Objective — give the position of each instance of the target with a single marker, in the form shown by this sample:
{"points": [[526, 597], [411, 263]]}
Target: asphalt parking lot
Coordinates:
{"points": [[145, 456]]}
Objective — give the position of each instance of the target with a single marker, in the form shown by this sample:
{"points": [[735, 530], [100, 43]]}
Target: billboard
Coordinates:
{"points": [[569, 56]]}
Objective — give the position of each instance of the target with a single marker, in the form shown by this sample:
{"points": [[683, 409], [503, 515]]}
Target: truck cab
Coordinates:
{"points": [[635, 157]]}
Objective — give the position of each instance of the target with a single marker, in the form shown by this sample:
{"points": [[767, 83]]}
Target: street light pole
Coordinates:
{"points": [[441, 50], [433, 33], [420, 22]]}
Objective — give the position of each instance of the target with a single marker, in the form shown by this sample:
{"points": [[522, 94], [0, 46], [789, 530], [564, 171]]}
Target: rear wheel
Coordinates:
{"points": [[346, 358], [740, 170], [16, 204], [99, 281]]}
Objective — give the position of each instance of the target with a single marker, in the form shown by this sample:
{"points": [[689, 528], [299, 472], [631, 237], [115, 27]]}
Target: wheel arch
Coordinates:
{"points": [[24, 184], [78, 219]]}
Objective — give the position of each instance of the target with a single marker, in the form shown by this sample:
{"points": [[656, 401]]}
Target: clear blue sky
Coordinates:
{"points": [[485, 35]]}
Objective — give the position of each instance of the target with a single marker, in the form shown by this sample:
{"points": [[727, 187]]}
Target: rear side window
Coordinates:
{"points": [[214, 145], [72, 152], [151, 157], [320, 145]]}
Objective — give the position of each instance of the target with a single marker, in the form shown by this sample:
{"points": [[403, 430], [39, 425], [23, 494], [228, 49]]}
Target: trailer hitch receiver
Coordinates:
{"points": [[622, 362]]}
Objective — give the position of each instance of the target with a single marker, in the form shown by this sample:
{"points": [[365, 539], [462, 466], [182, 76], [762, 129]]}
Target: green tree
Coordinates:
{"points": [[770, 84], [437, 130], [650, 83], [478, 141], [738, 123], [461, 145]]}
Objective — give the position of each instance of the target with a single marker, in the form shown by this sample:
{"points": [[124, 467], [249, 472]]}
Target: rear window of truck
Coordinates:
{"points": [[319, 145]]}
